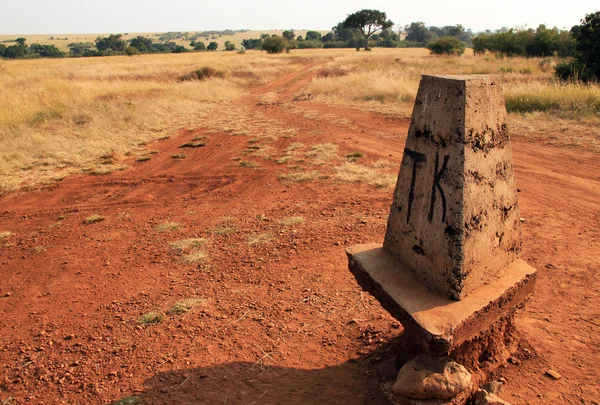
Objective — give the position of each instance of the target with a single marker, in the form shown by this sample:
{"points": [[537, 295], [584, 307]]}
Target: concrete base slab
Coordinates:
{"points": [[435, 321]]}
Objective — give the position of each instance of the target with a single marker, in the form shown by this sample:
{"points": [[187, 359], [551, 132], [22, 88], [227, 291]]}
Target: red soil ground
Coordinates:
{"points": [[283, 322]]}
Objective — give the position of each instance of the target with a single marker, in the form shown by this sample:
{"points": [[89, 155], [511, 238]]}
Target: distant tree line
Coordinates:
{"points": [[115, 44], [541, 42], [20, 50]]}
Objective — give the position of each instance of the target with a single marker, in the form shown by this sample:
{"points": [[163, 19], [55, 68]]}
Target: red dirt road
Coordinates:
{"points": [[282, 320]]}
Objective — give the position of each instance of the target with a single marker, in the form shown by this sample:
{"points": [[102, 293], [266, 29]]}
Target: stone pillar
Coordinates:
{"points": [[449, 269], [454, 219]]}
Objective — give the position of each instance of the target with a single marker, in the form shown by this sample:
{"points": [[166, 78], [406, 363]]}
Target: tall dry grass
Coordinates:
{"points": [[74, 115], [60, 116], [386, 81]]}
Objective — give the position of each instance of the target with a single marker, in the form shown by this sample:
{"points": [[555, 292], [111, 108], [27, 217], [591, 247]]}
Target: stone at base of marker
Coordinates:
{"points": [[437, 323], [460, 399]]}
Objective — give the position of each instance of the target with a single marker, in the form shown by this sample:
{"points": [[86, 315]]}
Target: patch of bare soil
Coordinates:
{"points": [[276, 316]]}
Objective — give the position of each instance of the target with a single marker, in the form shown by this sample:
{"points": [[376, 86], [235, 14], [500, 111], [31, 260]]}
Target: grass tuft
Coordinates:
{"points": [[129, 401], [186, 244], [292, 221], [322, 153], [197, 144], [355, 173], [259, 239], [197, 256], [186, 305], [354, 156], [151, 318], [301, 176], [5, 234], [169, 226], [92, 219], [245, 163]]}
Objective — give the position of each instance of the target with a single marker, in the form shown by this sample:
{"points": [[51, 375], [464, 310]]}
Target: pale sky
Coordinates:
{"points": [[120, 16]]}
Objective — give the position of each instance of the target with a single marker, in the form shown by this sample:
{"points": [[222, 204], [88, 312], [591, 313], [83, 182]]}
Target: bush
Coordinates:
{"points": [[447, 46], [201, 74], [198, 45], [310, 44], [275, 44], [213, 46], [142, 44], [131, 51], [229, 46]]}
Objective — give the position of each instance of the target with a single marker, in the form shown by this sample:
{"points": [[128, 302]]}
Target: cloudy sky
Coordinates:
{"points": [[114, 16]]}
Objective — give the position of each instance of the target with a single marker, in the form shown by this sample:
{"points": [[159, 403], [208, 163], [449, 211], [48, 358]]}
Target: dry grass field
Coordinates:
{"points": [[74, 115]]}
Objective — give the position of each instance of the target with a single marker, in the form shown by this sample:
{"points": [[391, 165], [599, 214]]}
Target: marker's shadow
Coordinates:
{"points": [[354, 382]]}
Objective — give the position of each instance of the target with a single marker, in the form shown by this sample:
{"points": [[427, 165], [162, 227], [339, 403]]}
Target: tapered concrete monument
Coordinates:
{"points": [[449, 266]]}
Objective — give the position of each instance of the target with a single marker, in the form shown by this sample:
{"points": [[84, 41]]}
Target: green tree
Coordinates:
{"points": [[275, 44], [587, 45], [447, 46], [111, 43], [418, 32], [289, 34], [198, 45], [142, 44], [79, 48], [252, 43], [213, 46], [368, 22], [312, 36], [229, 46], [329, 37], [45, 51]]}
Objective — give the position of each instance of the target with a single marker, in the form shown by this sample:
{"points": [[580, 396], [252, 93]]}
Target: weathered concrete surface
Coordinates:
{"points": [[435, 321], [455, 220]]}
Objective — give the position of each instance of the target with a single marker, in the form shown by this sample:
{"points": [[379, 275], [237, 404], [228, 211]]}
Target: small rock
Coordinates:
{"points": [[553, 374], [483, 397], [493, 387], [550, 266], [428, 377]]}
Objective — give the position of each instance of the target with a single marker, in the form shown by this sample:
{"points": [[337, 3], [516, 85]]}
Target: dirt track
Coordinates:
{"points": [[283, 321]]}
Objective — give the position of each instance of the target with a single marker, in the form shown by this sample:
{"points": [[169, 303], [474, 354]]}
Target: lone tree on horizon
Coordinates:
{"points": [[368, 22]]}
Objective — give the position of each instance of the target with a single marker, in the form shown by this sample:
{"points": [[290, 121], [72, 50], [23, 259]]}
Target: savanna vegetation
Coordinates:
{"points": [[88, 115]]}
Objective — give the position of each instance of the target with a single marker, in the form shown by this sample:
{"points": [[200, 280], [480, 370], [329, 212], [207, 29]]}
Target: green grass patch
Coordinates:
{"points": [[151, 318]]}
